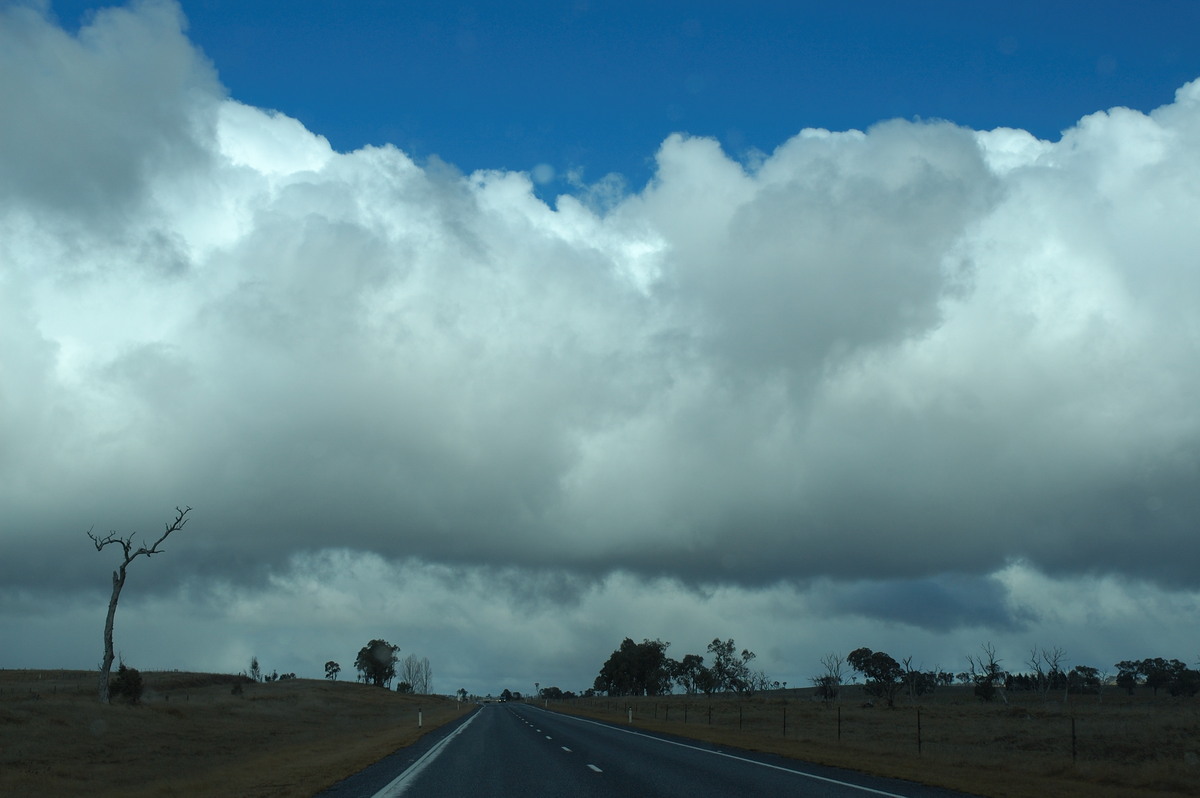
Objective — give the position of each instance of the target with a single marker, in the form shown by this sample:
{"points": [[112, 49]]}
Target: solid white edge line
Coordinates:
{"points": [[727, 756], [402, 782]]}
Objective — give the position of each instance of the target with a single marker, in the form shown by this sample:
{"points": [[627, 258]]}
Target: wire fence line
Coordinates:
{"points": [[1087, 729]]}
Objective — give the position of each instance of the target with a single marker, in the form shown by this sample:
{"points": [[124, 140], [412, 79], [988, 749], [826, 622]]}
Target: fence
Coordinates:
{"points": [[1115, 730]]}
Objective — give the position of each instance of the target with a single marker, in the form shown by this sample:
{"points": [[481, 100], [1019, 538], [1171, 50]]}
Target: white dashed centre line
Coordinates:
{"points": [[548, 737], [568, 750], [593, 767]]}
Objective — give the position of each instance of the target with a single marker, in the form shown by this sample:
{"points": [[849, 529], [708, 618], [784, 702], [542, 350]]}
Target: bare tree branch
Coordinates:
{"points": [[174, 526], [126, 543]]}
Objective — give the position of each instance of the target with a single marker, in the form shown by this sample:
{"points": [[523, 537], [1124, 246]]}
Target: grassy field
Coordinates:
{"points": [[1123, 747], [191, 736]]}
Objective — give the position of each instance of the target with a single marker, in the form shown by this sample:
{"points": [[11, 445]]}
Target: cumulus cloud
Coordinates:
{"points": [[911, 355]]}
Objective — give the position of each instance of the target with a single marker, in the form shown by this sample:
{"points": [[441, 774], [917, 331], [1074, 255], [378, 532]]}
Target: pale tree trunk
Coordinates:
{"points": [[118, 579]]}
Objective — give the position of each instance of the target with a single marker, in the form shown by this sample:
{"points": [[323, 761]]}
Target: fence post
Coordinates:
{"points": [[918, 731], [785, 720], [739, 717], [1073, 753], [420, 719], [839, 724], [629, 709]]}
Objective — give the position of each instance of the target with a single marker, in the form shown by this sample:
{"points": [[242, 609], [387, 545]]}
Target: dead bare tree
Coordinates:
{"points": [[1049, 670], [426, 677], [1056, 659], [1038, 672], [829, 683], [986, 673], [118, 581], [912, 679], [418, 673]]}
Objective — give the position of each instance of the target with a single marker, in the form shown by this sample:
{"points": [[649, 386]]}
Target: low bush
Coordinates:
{"points": [[127, 684]]}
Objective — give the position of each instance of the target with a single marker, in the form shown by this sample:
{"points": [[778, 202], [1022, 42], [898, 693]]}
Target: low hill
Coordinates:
{"points": [[199, 734]]}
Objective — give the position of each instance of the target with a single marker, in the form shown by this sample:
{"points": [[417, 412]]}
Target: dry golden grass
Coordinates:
{"points": [[1125, 747], [192, 737]]}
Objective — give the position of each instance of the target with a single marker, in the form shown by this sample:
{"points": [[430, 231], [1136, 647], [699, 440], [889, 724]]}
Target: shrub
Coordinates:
{"points": [[127, 684], [985, 689]]}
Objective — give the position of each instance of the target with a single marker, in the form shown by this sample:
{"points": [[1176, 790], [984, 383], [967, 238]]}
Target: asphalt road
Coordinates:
{"points": [[521, 751]]}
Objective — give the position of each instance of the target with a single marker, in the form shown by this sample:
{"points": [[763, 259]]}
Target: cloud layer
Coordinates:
{"points": [[919, 352]]}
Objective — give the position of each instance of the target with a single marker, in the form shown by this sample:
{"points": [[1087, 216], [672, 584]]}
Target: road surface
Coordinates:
{"points": [[521, 751]]}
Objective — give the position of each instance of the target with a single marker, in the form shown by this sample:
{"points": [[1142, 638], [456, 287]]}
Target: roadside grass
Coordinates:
{"points": [[1124, 747], [191, 736]]}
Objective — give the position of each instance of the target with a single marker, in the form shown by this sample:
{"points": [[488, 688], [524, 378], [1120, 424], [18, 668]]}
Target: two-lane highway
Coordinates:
{"points": [[517, 750], [501, 752]]}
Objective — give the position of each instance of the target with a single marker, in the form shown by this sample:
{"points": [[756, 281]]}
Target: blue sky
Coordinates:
{"points": [[825, 371], [596, 86]]}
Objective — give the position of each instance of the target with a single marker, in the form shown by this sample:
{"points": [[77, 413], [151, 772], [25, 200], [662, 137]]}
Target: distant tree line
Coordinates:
{"points": [[645, 669], [256, 673], [884, 678], [1156, 673], [377, 663]]}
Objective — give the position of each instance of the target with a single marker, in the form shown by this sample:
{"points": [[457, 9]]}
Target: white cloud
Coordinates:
{"points": [[874, 358], [268, 142]]}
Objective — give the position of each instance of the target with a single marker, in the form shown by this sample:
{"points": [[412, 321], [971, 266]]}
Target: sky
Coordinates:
{"points": [[505, 332]]}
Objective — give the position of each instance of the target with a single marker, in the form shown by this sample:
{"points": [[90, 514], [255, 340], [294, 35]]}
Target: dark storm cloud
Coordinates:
{"points": [[939, 604]]}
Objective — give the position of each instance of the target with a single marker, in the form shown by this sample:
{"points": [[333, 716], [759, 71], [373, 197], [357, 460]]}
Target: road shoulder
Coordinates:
{"points": [[378, 775]]}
